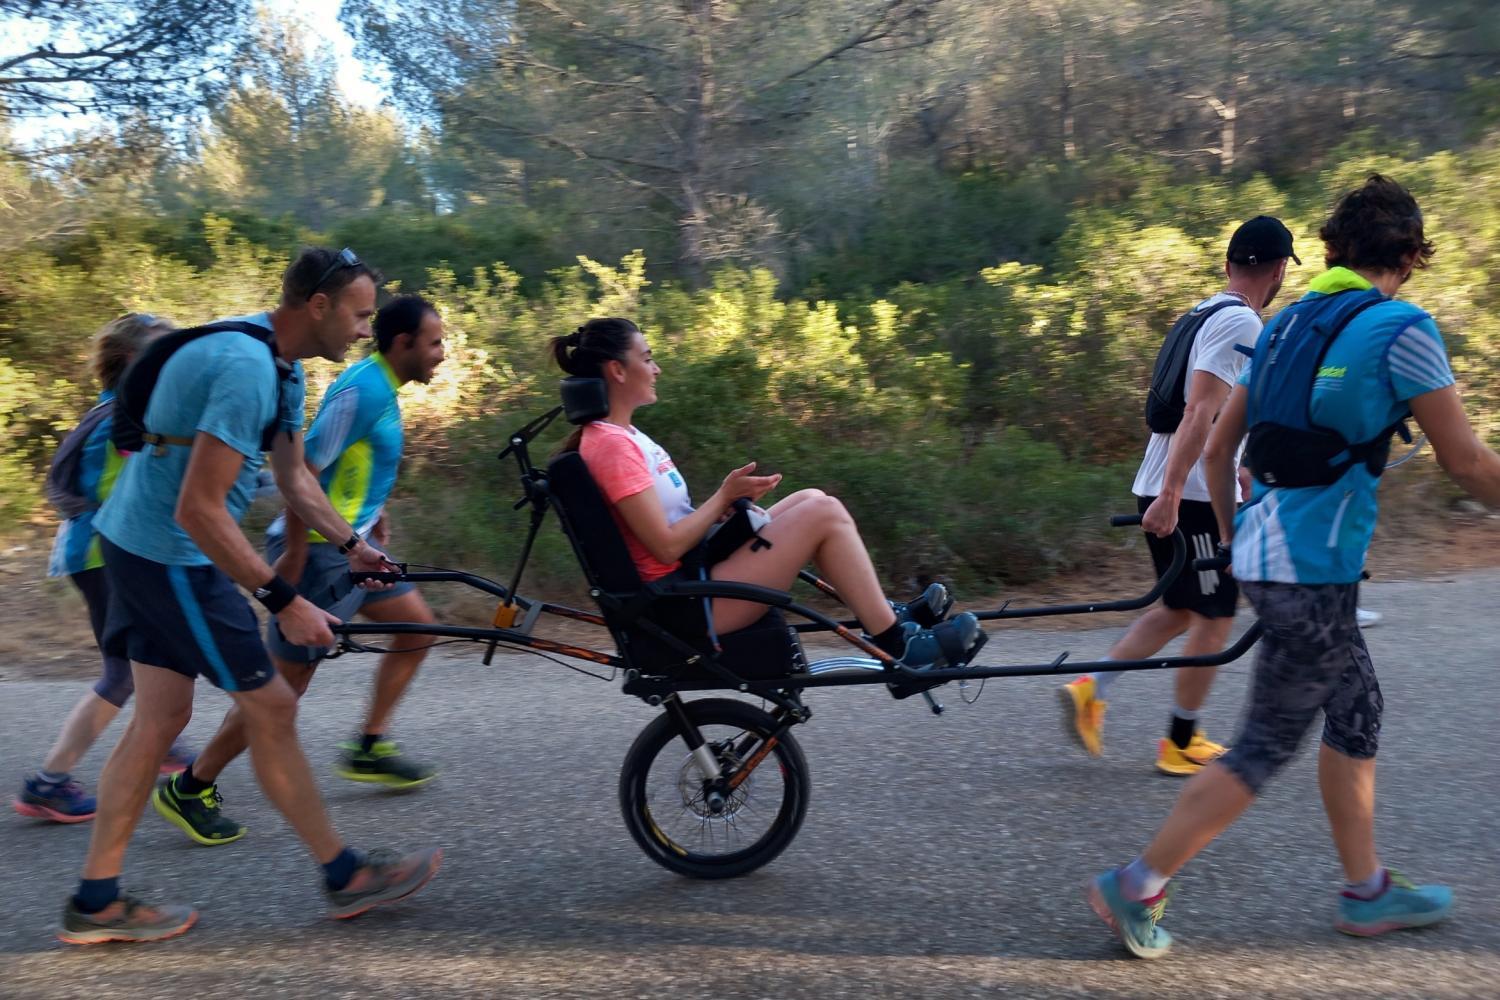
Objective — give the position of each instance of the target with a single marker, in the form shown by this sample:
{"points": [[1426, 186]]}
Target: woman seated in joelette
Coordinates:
{"points": [[651, 505]]}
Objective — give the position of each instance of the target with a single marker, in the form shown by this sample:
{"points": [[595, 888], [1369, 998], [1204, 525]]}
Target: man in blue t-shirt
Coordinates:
{"points": [[1299, 550], [174, 553], [354, 447]]}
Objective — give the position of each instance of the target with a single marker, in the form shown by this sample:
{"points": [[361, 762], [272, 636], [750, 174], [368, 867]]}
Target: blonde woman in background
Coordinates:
{"points": [[84, 472]]}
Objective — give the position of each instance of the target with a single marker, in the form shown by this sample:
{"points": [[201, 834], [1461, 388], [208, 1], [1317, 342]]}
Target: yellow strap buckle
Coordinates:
{"points": [[506, 615]]}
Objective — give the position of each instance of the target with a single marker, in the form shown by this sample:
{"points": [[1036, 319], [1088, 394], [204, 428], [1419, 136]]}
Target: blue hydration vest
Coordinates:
{"points": [[1286, 448]]}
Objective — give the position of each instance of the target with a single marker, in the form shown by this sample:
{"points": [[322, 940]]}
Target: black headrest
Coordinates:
{"points": [[584, 399]]}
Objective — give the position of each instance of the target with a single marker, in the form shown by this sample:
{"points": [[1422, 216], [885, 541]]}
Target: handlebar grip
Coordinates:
{"points": [[1124, 520], [1207, 565], [381, 577]]}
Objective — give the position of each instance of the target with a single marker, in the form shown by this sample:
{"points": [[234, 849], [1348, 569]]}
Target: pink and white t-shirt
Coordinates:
{"points": [[624, 462]]}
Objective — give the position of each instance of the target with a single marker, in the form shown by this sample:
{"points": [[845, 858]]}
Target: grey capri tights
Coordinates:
{"points": [[1311, 658], [116, 683]]}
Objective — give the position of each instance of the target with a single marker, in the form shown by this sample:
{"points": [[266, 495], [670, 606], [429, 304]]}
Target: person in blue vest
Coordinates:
{"points": [[354, 447], [177, 561], [51, 793], [1332, 378]]}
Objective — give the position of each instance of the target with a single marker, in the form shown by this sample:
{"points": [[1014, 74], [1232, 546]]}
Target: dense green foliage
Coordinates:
{"points": [[980, 426], [919, 253]]}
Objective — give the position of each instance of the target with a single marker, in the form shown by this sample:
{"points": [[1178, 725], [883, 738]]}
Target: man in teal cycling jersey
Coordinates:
{"points": [[354, 447]]}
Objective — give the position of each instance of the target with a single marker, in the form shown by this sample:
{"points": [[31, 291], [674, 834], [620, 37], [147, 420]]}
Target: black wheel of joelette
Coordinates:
{"points": [[666, 804]]}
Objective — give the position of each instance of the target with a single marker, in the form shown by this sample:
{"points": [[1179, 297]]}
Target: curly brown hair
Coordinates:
{"points": [[1376, 227]]}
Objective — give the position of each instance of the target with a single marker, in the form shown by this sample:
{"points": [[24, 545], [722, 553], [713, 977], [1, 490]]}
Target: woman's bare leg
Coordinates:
{"points": [[786, 503], [89, 718], [816, 529]]}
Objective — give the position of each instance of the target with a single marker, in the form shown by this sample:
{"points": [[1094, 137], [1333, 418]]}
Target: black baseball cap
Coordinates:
{"points": [[1260, 241]]}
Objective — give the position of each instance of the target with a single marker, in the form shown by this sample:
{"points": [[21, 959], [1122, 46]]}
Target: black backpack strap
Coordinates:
{"points": [[1167, 396], [133, 412]]}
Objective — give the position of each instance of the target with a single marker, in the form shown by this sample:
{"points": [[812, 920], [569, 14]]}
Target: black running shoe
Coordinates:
{"points": [[126, 919], [198, 815], [383, 764]]}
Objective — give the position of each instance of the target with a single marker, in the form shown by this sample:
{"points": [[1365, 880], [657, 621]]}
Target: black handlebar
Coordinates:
{"points": [[1179, 561]]}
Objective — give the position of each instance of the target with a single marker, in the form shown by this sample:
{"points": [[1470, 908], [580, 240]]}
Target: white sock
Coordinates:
{"points": [[1189, 714], [1139, 880], [1369, 888], [1103, 682], [48, 778]]}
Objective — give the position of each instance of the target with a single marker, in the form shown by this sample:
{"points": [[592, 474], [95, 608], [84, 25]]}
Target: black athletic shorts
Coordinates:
{"points": [[188, 619], [1211, 593]]}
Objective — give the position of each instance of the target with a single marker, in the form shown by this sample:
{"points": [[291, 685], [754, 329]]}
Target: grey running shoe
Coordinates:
{"points": [[384, 878], [126, 919]]}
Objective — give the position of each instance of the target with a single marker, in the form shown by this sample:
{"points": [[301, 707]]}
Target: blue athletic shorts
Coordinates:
{"points": [[189, 619], [325, 582]]}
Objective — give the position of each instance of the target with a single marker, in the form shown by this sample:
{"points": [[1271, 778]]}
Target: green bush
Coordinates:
{"points": [[980, 423]]}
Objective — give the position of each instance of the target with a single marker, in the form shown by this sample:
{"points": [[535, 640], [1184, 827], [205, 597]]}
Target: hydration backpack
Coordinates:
{"points": [[133, 394], [1286, 448], [1167, 399], [62, 486]]}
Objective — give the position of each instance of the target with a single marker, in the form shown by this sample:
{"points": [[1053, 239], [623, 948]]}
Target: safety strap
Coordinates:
{"points": [[159, 442]]}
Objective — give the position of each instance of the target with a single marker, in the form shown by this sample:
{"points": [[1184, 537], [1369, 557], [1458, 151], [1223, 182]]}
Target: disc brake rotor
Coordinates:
{"points": [[691, 786]]}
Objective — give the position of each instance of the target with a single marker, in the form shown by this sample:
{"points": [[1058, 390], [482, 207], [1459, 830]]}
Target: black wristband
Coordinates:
{"points": [[350, 545], [275, 594]]}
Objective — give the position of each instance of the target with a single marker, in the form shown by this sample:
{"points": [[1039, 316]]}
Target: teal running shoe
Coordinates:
{"points": [[1134, 922], [1402, 905]]}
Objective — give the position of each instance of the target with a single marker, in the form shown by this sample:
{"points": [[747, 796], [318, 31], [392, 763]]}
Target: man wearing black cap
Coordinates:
{"points": [[1198, 365]]}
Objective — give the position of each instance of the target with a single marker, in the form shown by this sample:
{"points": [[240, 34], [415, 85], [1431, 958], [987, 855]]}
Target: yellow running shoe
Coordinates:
{"points": [[1083, 715], [1171, 760]]}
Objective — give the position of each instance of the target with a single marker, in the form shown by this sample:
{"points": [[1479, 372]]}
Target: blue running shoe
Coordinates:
{"points": [[1134, 922], [927, 608], [60, 803], [1402, 905]]}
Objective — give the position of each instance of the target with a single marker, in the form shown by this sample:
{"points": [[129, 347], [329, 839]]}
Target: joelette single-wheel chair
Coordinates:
{"points": [[714, 787]]}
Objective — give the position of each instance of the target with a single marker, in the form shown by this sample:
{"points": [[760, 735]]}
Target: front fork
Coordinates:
{"points": [[717, 782]]}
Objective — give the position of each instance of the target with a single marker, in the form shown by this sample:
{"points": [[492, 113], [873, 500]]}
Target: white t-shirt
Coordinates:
{"points": [[669, 483], [1214, 352]]}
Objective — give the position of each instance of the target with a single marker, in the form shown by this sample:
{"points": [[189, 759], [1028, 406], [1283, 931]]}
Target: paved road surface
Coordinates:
{"points": [[941, 857]]}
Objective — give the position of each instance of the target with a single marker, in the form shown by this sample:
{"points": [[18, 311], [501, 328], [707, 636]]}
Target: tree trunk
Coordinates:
{"points": [[1229, 112], [1065, 99], [692, 225]]}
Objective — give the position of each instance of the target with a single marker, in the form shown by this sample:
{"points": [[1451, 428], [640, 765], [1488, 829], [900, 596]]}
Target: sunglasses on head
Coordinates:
{"points": [[344, 258]]}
